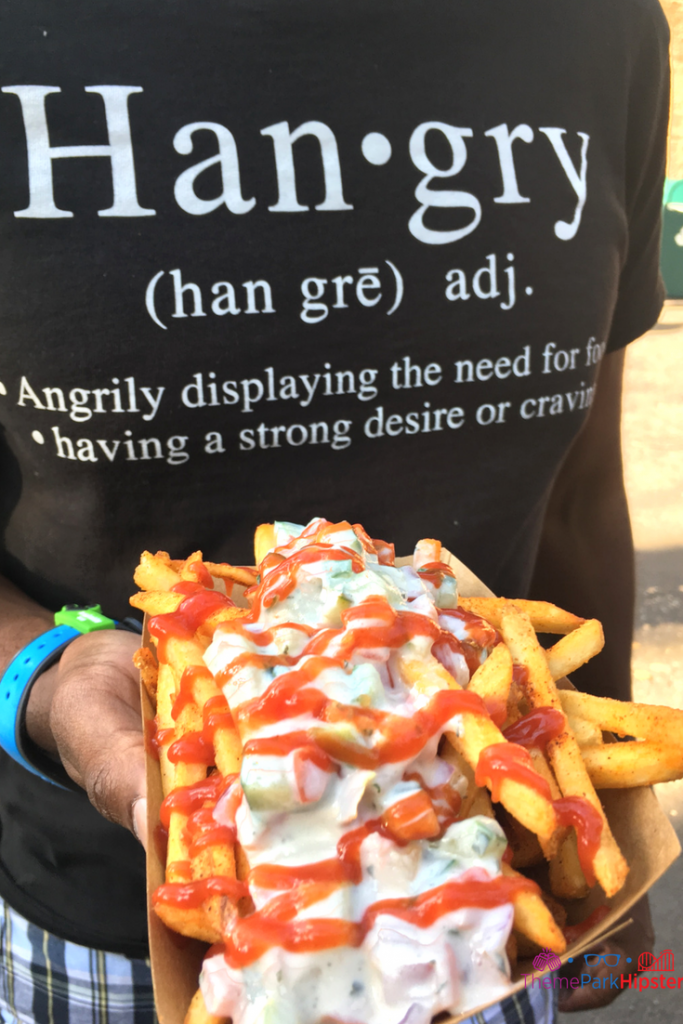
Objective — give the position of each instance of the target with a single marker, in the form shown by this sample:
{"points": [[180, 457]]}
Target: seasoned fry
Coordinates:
{"points": [[623, 765], [587, 733], [645, 721], [146, 663], [190, 921], [492, 682], [264, 541], [156, 602], [566, 877], [564, 752], [575, 649], [235, 573], [155, 572], [426, 551], [545, 617], [528, 806], [534, 920]]}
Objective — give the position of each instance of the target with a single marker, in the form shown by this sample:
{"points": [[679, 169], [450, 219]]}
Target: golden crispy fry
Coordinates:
{"points": [[146, 663], [155, 572], [157, 602], [623, 765], [180, 654], [645, 721], [237, 573], [215, 860], [575, 649], [493, 679], [564, 752], [197, 1012], [190, 921], [166, 688], [187, 572], [426, 551], [540, 763], [587, 734], [528, 806], [534, 920], [208, 628], [546, 618], [264, 541], [566, 877], [228, 747]]}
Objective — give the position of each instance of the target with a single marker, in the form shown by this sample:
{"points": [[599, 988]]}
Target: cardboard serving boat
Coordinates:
{"points": [[643, 832]]}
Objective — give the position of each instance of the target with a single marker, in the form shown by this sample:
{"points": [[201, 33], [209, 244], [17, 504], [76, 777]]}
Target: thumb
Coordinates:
{"points": [[139, 815]]}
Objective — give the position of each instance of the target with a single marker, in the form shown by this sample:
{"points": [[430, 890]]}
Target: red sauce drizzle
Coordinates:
{"points": [[574, 810], [185, 622], [520, 674], [508, 761], [186, 799], [185, 693], [282, 579], [204, 577], [370, 626], [193, 894], [537, 728], [252, 936], [434, 573]]}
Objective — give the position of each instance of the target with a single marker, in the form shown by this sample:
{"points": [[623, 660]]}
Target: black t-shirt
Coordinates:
{"points": [[277, 260]]}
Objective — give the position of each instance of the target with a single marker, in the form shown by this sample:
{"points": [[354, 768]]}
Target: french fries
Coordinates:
{"points": [[200, 745], [545, 617], [564, 752], [531, 808]]}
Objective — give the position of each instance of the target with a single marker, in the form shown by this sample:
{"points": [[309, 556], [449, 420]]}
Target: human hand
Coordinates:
{"points": [[627, 944], [85, 710]]}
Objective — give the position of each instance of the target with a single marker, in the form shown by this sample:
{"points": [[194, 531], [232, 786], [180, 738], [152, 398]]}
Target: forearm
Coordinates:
{"points": [[21, 620], [84, 710], [585, 560]]}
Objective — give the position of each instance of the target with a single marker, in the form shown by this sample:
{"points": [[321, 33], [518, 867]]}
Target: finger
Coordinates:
{"points": [[139, 815]]}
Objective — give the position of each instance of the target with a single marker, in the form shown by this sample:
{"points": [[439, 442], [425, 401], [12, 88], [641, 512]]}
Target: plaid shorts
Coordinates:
{"points": [[47, 980], [51, 981]]}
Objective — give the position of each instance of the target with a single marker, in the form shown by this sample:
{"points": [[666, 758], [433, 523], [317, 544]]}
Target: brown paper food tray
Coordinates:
{"points": [[641, 829]]}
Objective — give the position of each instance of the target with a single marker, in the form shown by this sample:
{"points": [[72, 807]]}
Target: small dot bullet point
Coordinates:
{"points": [[529, 290], [38, 437], [376, 148]]}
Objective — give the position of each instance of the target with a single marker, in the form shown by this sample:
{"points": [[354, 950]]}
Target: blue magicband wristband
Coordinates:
{"points": [[16, 686], [21, 674]]}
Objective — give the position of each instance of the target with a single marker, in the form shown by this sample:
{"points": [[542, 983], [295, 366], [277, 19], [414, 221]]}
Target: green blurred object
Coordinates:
{"points": [[85, 620], [672, 238]]}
